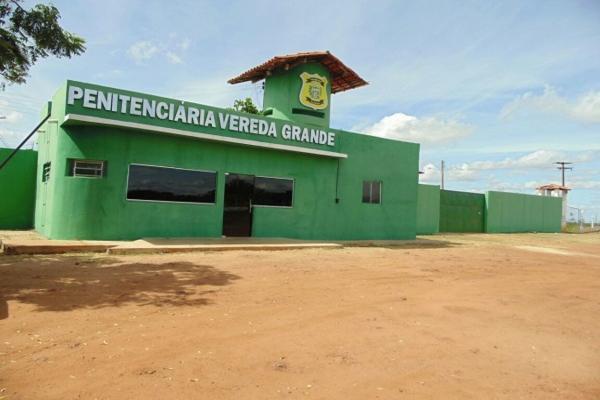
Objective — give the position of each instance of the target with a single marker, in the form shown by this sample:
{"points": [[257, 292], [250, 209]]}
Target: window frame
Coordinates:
{"points": [[74, 162], [281, 178], [370, 182], [169, 201]]}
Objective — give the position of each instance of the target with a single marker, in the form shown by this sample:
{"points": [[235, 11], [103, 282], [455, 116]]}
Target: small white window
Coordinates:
{"points": [[88, 168]]}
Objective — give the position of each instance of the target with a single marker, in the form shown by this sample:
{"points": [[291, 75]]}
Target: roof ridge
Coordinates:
{"points": [[343, 77]]}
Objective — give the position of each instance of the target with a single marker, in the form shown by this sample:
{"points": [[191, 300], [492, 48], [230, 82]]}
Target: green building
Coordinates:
{"points": [[116, 164]]}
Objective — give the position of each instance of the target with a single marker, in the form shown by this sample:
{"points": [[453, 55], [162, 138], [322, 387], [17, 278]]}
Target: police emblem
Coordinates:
{"points": [[313, 93]]}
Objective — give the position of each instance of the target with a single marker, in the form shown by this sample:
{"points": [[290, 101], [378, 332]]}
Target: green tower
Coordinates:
{"points": [[298, 87]]}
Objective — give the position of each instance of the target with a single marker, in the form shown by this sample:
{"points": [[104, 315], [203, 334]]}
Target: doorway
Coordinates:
{"points": [[237, 210]]}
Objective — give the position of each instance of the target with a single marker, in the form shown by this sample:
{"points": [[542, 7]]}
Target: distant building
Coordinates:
{"points": [[555, 190]]}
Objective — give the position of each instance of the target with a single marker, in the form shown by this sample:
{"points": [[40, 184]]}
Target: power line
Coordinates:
{"points": [[563, 168]]}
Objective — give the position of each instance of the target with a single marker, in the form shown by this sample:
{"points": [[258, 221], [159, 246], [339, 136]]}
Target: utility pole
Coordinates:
{"points": [[442, 170], [563, 168]]}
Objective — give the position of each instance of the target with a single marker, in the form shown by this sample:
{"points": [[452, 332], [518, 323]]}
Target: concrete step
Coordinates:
{"points": [[155, 245], [9, 247], [182, 248]]}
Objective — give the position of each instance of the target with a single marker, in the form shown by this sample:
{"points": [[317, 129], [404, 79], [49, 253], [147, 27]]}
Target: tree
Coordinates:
{"points": [[246, 106], [28, 35]]}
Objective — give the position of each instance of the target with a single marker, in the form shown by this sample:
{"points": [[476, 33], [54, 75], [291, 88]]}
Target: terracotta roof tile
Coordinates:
{"points": [[343, 77], [553, 186]]}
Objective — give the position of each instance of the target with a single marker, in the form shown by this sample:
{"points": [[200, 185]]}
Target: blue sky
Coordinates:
{"points": [[499, 90]]}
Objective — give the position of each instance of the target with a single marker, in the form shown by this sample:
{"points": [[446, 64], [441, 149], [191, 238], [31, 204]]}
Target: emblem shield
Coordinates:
{"points": [[313, 93]]}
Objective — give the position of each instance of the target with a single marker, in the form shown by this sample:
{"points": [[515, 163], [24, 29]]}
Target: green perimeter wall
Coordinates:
{"points": [[428, 209], [87, 208], [17, 189], [461, 211], [515, 212]]}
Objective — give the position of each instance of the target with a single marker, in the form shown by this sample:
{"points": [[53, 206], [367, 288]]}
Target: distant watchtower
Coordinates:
{"points": [[298, 87], [555, 190]]}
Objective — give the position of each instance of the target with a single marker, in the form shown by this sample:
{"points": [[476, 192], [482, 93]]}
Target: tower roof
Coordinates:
{"points": [[553, 186], [343, 77]]}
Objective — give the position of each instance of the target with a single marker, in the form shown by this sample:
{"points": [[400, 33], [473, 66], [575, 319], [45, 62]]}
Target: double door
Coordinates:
{"points": [[237, 210]]}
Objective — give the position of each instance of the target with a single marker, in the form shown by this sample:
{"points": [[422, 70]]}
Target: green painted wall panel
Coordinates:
{"points": [[461, 211], [17, 189], [48, 150], [515, 212], [428, 209], [88, 208]]}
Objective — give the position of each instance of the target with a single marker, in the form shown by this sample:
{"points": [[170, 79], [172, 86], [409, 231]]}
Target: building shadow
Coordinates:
{"points": [[419, 243], [3, 308], [428, 243], [64, 283]]}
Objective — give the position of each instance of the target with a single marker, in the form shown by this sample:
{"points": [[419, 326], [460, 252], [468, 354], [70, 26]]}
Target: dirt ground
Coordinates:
{"points": [[466, 317]]}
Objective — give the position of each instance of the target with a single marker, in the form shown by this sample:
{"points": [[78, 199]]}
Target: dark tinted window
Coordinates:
{"points": [[273, 192], [371, 192], [171, 184], [366, 195], [376, 192]]}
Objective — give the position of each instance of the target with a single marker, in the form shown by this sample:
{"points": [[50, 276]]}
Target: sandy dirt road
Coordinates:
{"points": [[470, 317]]}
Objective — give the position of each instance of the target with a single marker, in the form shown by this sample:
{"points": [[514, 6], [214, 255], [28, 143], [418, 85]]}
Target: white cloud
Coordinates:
{"points": [[10, 138], [525, 187], [428, 130], [11, 116], [588, 107], [142, 51], [463, 172], [456, 173], [8, 109], [524, 174], [184, 44], [585, 108], [431, 174], [530, 186], [588, 185], [173, 58], [172, 50], [585, 156], [536, 159], [7, 138], [584, 179]]}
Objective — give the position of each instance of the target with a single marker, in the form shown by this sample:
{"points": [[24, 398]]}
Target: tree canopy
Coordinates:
{"points": [[246, 105], [28, 35]]}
